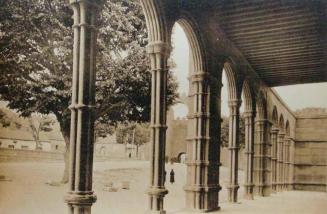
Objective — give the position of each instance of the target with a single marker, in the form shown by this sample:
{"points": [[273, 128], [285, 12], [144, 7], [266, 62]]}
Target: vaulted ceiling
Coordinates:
{"points": [[283, 40]]}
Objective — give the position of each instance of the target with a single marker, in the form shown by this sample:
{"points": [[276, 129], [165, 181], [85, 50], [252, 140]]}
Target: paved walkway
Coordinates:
{"points": [[290, 202]]}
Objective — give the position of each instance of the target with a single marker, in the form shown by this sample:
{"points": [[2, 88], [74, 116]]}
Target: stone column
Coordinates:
{"points": [[203, 147], [284, 162], [158, 53], [274, 133], [262, 159], [287, 163], [249, 151], [280, 173], [80, 196], [233, 146], [291, 165]]}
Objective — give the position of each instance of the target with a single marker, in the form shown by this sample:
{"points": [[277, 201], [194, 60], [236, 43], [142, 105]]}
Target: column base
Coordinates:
{"points": [[248, 196], [279, 188], [155, 212], [232, 193], [248, 191], [273, 188], [262, 190], [202, 198], [80, 202], [189, 210]]}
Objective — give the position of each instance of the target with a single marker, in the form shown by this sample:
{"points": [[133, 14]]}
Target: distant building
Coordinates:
{"points": [[19, 139]]}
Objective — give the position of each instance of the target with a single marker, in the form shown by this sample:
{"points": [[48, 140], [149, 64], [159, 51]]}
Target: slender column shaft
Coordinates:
{"points": [[274, 134], [287, 163], [284, 164], [291, 164], [80, 196], [158, 52], [249, 151], [280, 173], [262, 159], [203, 149], [233, 146]]}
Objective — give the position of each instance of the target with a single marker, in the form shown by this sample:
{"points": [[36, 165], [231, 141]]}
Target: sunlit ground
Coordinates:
{"points": [[28, 193]]}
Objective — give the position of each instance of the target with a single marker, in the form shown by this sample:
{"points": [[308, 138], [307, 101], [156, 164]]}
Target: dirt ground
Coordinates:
{"points": [[29, 193]]}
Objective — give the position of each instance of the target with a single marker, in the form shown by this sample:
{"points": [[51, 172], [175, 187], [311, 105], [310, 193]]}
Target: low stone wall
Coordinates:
{"points": [[17, 155]]}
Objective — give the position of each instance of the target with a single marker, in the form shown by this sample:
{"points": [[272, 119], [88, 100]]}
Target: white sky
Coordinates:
{"points": [[295, 96]]}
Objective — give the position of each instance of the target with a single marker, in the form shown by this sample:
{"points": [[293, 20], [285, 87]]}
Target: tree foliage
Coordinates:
{"points": [[4, 120], [36, 61], [133, 133]]}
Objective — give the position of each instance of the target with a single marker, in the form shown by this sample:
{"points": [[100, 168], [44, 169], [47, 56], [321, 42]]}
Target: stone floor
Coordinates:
{"points": [[27, 192], [292, 202]]}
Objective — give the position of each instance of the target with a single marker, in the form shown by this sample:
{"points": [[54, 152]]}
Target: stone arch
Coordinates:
{"points": [[261, 106], [248, 97], [155, 21], [281, 122], [287, 128], [197, 52], [275, 116], [234, 89], [181, 157]]}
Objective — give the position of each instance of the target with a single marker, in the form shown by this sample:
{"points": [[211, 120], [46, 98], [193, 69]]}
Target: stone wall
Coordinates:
{"points": [[17, 155], [176, 138], [310, 155], [176, 143]]}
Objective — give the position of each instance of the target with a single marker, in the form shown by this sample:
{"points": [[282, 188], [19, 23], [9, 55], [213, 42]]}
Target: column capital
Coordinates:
{"points": [[199, 76], [93, 3], [235, 103], [287, 138], [281, 134], [158, 47], [261, 121], [248, 114], [274, 130]]}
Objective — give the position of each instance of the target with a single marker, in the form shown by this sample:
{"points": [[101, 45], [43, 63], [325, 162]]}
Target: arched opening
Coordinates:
{"points": [[247, 129], [182, 157], [287, 129], [232, 129], [261, 106], [186, 61], [281, 123], [275, 116]]}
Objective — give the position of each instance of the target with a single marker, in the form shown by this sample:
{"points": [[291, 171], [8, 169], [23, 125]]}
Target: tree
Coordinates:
{"points": [[39, 124], [4, 120], [133, 133], [36, 61]]}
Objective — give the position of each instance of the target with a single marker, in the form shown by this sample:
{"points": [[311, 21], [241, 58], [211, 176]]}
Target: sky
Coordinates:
{"points": [[295, 96]]}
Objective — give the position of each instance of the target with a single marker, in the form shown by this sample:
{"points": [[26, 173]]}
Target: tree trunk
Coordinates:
{"points": [[65, 134]]}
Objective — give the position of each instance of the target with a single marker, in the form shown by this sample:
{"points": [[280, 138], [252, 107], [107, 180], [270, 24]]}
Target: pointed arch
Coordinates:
{"points": [[261, 106], [287, 128], [281, 122], [234, 91], [155, 21], [248, 97], [275, 115], [197, 49]]}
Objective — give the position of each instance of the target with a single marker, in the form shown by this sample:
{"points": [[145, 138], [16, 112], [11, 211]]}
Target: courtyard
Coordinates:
{"points": [[31, 188]]}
